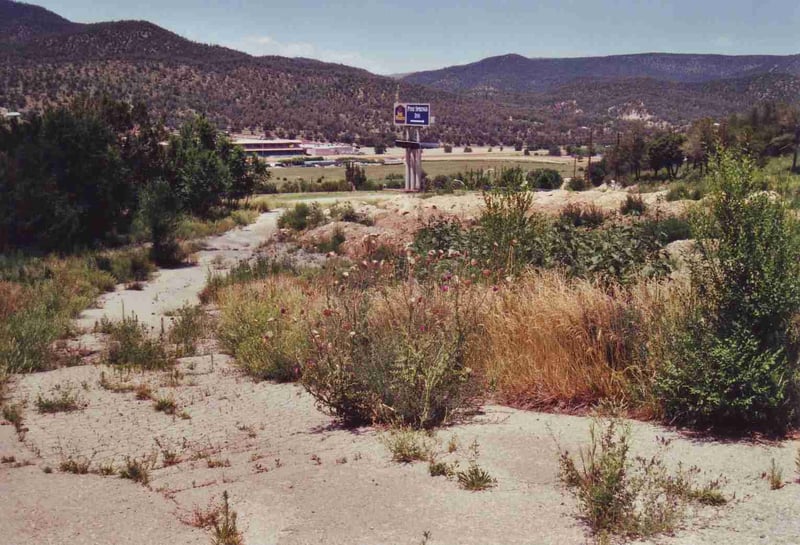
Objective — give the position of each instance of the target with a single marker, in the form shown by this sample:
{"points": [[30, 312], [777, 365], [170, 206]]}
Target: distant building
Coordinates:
{"points": [[324, 150], [270, 148], [9, 115]]}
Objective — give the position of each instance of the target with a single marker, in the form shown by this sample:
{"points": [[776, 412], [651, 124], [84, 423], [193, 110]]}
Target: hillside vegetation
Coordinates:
{"points": [[47, 61]]}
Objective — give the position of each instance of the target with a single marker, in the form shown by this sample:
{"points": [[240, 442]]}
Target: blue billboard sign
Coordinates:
{"points": [[418, 115]]}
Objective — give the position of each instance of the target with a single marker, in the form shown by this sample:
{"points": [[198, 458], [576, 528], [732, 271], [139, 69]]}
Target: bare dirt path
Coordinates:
{"points": [[171, 289]]}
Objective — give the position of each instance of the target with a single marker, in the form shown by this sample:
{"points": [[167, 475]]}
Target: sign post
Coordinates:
{"points": [[413, 115]]}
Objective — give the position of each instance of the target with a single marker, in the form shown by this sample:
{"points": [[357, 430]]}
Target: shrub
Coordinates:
{"points": [[583, 216], [346, 212], [395, 355], [64, 399], [668, 229], [262, 325], [190, 325], [733, 363], [225, 531], [130, 344], [544, 178], [475, 478], [577, 183], [409, 445], [623, 496], [634, 205], [126, 266], [78, 466], [165, 405], [332, 243], [136, 470], [244, 271], [301, 217], [159, 210], [682, 191]]}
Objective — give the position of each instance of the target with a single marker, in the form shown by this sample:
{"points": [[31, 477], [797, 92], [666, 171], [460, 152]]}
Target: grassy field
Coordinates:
{"points": [[432, 168]]}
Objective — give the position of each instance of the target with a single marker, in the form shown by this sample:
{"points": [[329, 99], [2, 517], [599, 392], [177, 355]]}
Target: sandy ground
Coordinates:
{"points": [[397, 216], [173, 288], [295, 478]]}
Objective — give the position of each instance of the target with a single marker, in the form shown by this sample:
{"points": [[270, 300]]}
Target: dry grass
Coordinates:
{"points": [[553, 342], [265, 325]]}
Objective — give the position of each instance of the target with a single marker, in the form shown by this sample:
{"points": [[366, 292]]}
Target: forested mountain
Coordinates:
{"points": [[48, 60], [518, 74]]}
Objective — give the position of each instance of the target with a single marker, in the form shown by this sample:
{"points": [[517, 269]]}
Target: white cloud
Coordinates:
{"points": [[266, 45]]}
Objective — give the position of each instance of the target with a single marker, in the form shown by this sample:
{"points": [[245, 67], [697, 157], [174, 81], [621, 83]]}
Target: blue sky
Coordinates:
{"points": [[390, 37]]}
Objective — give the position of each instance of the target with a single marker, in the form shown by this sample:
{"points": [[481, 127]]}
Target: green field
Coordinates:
{"points": [[431, 168]]}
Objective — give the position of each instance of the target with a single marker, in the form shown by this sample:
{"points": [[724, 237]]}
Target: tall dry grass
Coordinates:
{"points": [[554, 342], [265, 325]]}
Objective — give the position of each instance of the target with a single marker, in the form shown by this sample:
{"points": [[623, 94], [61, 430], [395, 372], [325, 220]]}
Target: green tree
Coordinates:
{"points": [[665, 151], [355, 175], [733, 362]]}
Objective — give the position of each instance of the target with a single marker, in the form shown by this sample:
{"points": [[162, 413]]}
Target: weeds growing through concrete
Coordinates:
{"points": [[63, 398], [225, 531], [136, 470], [79, 465], [131, 345], [190, 326], [166, 405], [775, 476], [408, 445], [475, 478], [628, 497]]}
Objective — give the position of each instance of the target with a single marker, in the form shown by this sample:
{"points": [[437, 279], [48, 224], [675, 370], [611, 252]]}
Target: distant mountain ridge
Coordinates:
{"points": [[46, 60], [518, 74]]}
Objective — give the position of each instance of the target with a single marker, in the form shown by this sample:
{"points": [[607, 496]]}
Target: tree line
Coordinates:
{"points": [[100, 172], [767, 130]]}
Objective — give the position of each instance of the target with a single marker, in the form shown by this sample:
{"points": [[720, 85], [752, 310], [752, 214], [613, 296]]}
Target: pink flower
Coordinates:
{"points": [[445, 288]]}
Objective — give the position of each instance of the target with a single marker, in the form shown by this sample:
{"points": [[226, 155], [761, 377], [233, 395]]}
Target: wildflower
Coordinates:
{"points": [[445, 288], [327, 312]]}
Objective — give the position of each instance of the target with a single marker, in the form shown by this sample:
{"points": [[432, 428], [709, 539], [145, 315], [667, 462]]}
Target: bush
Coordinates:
{"points": [[395, 355], [64, 399], [634, 205], [159, 212], [544, 178], [260, 326], [409, 445], [583, 216], [636, 497], [668, 229], [681, 192], [733, 361], [131, 345], [190, 325], [301, 217], [577, 183], [346, 212]]}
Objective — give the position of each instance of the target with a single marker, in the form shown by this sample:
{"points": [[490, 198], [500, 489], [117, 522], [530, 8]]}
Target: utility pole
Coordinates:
{"points": [[589, 166]]}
